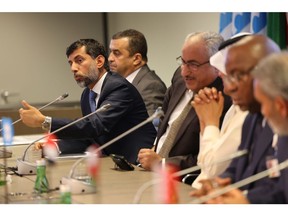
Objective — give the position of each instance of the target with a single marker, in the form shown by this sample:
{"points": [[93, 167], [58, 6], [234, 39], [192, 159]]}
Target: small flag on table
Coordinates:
{"points": [[166, 192], [8, 131], [50, 148]]}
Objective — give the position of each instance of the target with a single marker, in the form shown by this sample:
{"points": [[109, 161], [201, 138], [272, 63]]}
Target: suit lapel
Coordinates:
{"points": [[103, 92], [263, 143], [173, 102], [261, 149], [85, 107], [190, 118], [247, 137], [143, 71]]}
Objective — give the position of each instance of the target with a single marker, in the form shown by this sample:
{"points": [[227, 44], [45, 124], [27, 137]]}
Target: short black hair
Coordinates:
{"points": [[137, 42], [92, 47]]}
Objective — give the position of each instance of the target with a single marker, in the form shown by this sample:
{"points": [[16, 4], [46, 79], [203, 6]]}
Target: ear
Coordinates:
{"points": [[100, 60], [281, 106], [137, 59]]}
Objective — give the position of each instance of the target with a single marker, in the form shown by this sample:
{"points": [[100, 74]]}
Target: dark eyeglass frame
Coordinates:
{"points": [[237, 77], [192, 65]]}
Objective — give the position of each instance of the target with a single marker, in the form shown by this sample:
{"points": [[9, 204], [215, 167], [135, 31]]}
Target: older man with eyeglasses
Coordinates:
{"points": [[177, 140], [217, 144]]}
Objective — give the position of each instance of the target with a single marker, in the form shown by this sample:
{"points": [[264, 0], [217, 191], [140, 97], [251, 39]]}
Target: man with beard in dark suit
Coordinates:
{"points": [[89, 64]]}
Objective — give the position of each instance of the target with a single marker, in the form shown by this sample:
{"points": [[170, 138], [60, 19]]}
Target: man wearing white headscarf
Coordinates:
{"points": [[216, 144]]}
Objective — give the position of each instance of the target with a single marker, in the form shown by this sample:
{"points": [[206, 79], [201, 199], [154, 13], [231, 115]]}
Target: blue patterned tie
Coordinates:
{"points": [[92, 102]]}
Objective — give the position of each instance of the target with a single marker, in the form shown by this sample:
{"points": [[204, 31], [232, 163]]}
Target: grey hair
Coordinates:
{"points": [[272, 74], [211, 39]]}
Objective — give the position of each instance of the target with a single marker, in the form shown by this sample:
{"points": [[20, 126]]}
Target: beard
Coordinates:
{"points": [[91, 77]]}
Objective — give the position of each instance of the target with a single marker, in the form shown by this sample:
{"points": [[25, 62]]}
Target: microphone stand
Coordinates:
{"points": [[183, 172], [60, 98], [241, 183], [26, 168], [195, 168], [76, 185]]}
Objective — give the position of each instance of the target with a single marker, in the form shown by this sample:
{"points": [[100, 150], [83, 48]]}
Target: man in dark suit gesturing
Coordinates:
{"points": [[89, 64]]}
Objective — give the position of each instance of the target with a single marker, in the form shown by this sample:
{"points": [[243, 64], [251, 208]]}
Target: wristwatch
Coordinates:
{"points": [[46, 125]]}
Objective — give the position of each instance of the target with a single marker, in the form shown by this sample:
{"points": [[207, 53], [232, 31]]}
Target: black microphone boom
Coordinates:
{"points": [[24, 167], [60, 98]]}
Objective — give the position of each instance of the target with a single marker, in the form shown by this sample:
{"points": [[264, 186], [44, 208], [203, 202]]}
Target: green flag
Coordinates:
{"points": [[277, 28]]}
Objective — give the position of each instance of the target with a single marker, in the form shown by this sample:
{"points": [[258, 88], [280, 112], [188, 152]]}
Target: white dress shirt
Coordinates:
{"points": [[216, 145], [176, 112], [131, 76], [97, 88]]}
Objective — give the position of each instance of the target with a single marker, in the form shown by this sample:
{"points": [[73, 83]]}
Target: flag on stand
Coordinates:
{"points": [[277, 28], [50, 148], [234, 23], [93, 163], [166, 192], [7, 130], [274, 25]]}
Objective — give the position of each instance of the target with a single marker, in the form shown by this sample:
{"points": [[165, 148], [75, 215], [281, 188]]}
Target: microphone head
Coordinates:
{"points": [[158, 113], [104, 107], [63, 96]]}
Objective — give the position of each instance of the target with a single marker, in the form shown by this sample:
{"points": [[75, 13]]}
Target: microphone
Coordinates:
{"points": [[228, 158], [25, 167], [80, 187], [241, 183], [60, 98], [185, 171]]}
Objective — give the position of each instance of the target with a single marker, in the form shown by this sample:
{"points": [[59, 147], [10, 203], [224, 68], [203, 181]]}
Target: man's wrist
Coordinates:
{"points": [[46, 124]]}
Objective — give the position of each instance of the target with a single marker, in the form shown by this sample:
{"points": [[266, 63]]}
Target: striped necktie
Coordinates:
{"points": [[175, 126]]}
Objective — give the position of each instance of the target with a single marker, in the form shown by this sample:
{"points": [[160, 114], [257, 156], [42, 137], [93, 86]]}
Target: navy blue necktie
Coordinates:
{"points": [[92, 102]]}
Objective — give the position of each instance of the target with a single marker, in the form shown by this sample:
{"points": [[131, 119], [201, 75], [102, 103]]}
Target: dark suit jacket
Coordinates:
{"points": [[151, 88], [278, 194], [127, 110], [186, 145], [240, 168]]}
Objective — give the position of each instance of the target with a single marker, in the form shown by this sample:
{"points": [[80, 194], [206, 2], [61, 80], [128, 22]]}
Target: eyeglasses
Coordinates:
{"points": [[237, 77], [192, 65]]}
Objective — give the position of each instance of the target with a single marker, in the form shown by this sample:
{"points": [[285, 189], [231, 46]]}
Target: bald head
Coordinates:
{"points": [[242, 57], [253, 47]]}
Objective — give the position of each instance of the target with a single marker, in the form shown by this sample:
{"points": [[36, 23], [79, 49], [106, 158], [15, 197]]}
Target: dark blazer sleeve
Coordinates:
{"points": [[127, 110], [116, 93]]}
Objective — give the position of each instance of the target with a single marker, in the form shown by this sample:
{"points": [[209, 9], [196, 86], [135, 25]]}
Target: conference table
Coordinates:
{"points": [[114, 186]]}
